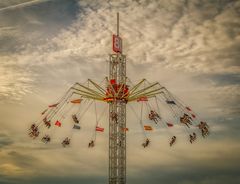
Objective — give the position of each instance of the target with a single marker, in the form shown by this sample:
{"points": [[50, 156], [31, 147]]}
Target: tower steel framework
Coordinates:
{"points": [[117, 137]]}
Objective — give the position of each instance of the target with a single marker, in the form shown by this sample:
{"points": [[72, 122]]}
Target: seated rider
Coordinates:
{"points": [[75, 119], [203, 126], [34, 131], [46, 139], [33, 126], [146, 143], [153, 116], [186, 115], [205, 132], [36, 134], [184, 121], [150, 116], [66, 142], [48, 123], [173, 140], [187, 118], [91, 144], [193, 137]]}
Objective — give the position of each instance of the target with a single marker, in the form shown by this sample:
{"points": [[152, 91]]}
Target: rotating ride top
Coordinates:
{"points": [[118, 91]]}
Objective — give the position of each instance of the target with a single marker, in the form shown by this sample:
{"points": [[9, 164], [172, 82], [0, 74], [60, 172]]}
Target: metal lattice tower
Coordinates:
{"points": [[117, 137]]}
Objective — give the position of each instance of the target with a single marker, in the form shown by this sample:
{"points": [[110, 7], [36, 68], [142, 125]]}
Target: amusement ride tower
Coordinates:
{"points": [[117, 92], [117, 108]]}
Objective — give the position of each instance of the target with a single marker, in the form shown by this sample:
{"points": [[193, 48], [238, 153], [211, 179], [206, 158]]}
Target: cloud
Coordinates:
{"points": [[19, 30], [190, 175], [21, 5], [10, 169], [154, 164], [185, 38], [178, 37], [4, 140], [15, 81]]}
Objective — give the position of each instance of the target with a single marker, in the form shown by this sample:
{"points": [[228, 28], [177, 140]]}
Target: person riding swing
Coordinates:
{"points": [[91, 144], [154, 116], [46, 139], [186, 119], [173, 140], [146, 143], [203, 126], [205, 131], [192, 137], [34, 131], [66, 142], [33, 126], [47, 122], [75, 119]]}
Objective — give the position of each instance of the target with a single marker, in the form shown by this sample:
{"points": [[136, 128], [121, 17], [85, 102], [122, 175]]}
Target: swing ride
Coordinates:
{"points": [[118, 92]]}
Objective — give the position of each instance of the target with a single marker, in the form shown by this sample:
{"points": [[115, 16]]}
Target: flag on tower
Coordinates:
{"points": [[142, 99], [188, 108], [99, 129], [193, 115], [53, 105], [125, 129], [58, 123], [76, 101], [169, 124], [146, 127]]}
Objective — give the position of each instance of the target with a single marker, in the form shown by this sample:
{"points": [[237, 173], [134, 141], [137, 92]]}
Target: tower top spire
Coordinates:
{"points": [[117, 23]]}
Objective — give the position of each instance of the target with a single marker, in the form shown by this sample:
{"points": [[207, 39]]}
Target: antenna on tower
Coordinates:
{"points": [[117, 24]]}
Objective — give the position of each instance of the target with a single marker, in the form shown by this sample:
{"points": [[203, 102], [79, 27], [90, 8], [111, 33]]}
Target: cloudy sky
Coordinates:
{"points": [[190, 46]]}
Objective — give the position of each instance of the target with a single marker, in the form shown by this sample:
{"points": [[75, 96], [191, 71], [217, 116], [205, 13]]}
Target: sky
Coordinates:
{"points": [[189, 46]]}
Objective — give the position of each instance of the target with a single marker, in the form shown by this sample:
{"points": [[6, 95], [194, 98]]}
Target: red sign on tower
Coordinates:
{"points": [[117, 44]]}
